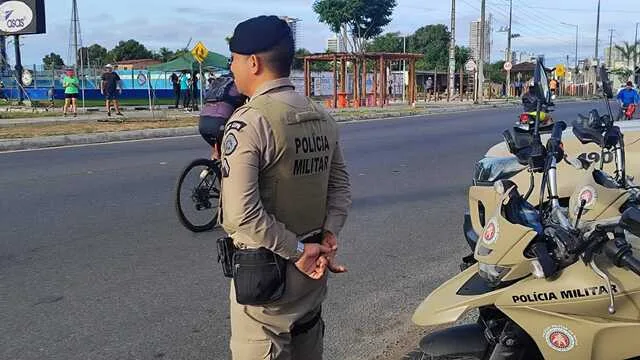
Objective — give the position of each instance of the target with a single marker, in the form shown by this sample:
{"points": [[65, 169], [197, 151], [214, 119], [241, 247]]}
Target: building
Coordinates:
{"points": [[617, 60], [295, 29], [336, 44], [135, 64], [474, 39]]}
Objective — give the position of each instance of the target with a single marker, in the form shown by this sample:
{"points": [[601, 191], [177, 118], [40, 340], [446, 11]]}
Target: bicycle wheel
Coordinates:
{"points": [[198, 194]]}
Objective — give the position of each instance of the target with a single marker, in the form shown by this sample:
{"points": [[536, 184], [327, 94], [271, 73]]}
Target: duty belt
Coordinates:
{"points": [[312, 237]]}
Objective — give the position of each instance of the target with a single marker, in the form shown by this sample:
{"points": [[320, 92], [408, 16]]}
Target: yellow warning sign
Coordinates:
{"points": [[560, 70], [200, 52]]}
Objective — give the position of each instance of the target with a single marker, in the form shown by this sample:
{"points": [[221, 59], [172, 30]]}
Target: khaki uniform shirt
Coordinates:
{"points": [[252, 150]]}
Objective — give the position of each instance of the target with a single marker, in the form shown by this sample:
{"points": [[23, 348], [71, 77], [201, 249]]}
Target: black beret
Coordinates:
{"points": [[259, 34]]}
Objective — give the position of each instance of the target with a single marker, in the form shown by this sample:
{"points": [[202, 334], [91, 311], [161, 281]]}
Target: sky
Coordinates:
{"points": [[173, 23]]}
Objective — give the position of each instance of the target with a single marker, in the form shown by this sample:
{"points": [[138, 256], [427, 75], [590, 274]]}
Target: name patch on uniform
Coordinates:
{"points": [[230, 144], [310, 165], [235, 125]]}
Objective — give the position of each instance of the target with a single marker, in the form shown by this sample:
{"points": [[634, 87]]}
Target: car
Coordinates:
{"points": [[499, 164]]}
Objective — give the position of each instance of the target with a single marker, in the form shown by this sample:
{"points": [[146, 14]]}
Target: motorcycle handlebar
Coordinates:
{"points": [[558, 128], [630, 262], [621, 253]]}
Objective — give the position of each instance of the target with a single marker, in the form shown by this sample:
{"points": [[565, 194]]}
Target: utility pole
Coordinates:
{"points": [[609, 64], [404, 66], [576, 47], [597, 32], [635, 53], [509, 48], [481, 57], [452, 53], [74, 20]]}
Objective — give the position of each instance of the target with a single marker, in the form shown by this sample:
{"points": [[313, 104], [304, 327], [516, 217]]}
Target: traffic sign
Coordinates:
{"points": [[560, 70], [470, 65], [507, 65], [200, 52]]}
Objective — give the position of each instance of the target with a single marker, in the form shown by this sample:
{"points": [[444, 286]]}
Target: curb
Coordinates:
{"points": [[84, 139]]}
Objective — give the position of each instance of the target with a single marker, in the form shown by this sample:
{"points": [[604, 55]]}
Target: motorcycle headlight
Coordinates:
{"points": [[492, 273], [491, 169]]}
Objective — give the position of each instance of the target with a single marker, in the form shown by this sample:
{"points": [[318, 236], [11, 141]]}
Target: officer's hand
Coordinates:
{"points": [[330, 240], [313, 263]]}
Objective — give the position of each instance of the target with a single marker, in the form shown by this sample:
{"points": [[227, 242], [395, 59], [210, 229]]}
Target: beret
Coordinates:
{"points": [[259, 34]]}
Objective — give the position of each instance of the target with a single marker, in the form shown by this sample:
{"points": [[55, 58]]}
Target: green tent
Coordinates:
{"points": [[186, 62]]}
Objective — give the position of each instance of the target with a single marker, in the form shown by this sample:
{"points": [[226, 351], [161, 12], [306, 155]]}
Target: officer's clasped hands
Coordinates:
{"points": [[316, 258]]}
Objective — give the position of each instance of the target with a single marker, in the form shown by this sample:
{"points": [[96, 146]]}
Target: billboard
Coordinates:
{"points": [[20, 17]]}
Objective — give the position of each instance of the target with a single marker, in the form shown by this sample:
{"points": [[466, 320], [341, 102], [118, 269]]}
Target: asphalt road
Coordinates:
{"points": [[94, 264]]}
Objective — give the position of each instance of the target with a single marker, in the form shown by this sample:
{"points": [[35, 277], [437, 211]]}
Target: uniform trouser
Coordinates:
{"points": [[264, 332]]}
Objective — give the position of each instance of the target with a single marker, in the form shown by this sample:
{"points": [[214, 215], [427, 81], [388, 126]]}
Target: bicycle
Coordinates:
{"points": [[204, 193]]}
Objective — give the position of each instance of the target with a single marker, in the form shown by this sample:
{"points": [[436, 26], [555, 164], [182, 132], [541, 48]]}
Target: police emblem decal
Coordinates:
{"points": [[491, 232], [560, 338], [230, 144]]}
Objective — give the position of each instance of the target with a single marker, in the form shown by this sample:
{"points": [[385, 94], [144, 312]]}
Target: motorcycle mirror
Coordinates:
{"points": [[541, 83], [606, 83], [630, 221]]}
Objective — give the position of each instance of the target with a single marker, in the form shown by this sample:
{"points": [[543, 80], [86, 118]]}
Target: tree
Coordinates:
{"points": [[164, 54], [627, 51], [97, 55], [357, 20], [52, 61], [389, 42], [495, 72], [130, 50], [298, 62], [433, 42], [462, 56]]}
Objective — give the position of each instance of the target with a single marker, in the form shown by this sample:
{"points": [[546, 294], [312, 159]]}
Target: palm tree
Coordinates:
{"points": [[627, 51]]}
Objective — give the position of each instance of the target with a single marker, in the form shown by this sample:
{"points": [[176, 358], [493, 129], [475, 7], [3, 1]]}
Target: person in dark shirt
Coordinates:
{"points": [[111, 88], [175, 81]]}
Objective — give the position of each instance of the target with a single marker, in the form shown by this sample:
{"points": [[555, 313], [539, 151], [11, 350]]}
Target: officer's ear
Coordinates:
{"points": [[255, 64]]}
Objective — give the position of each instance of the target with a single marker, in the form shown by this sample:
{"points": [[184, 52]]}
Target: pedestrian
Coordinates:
{"points": [[71, 86], [195, 94], [111, 88], [429, 88], [3, 95], [175, 82], [285, 198], [184, 90], [51, 94]]}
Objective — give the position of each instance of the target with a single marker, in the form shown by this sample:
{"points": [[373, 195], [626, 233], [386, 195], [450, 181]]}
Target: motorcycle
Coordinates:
{"points": [[541, 278], [627, 112]]}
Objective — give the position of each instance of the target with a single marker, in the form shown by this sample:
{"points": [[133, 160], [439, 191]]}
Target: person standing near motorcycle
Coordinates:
{"points": [[285, 198], [628, 99], [221, 100]]}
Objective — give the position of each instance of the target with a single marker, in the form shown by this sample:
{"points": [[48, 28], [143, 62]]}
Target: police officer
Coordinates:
{"points": [[285, 188]]}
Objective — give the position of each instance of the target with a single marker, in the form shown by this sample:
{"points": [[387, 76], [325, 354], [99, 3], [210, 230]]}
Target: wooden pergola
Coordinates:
{"points": [[359, 62]]}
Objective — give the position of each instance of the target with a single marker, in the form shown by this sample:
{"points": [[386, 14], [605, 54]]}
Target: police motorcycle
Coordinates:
{"points": [[530, 112], [548, 282]]}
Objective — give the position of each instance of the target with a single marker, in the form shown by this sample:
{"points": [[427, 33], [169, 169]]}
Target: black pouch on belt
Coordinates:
{"points": [[225, 255], [259, 276]]}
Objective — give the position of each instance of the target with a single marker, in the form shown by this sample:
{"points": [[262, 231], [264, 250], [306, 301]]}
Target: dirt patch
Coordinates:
{"points": [[27, 131]]}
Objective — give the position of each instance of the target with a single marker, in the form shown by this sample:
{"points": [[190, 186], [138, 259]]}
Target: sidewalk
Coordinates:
{"points": [[140, 116]]}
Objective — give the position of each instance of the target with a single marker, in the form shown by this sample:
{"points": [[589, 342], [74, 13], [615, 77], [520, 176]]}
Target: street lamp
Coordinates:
{"points": [[563, 23]]}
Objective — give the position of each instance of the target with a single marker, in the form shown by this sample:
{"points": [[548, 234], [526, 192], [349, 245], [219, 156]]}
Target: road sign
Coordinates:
{"points": [[560, 70], [470, 65], [507, 65], [200, 52]]}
